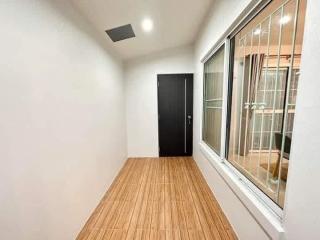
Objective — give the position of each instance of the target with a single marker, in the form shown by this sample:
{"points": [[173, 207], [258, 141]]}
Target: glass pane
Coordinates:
{"points": [[266, 64], [214, 103], [237, 87], [213, 87]]}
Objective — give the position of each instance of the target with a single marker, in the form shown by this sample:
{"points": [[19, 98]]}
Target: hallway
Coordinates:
{"points": [[172, 119], [158, 198]]}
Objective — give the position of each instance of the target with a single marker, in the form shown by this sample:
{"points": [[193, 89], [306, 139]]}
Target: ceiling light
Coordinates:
{"points": [[257, 31], [285, 19], [147, 25]]}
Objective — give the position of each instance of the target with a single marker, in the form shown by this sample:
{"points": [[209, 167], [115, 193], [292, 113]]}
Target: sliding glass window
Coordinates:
{"points": [[265, 76], [213, 88]]}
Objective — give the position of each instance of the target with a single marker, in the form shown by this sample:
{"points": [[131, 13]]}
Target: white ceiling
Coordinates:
{"points": [[176, 22]]}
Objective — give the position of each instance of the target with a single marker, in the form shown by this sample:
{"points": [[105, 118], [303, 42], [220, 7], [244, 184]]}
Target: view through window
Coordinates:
{"points": [[266, 63], [213, 88]]}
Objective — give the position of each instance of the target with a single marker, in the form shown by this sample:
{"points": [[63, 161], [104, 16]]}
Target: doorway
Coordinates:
{"points": [[175, 114]]}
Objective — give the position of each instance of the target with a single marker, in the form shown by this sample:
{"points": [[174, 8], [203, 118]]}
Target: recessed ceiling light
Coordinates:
{"points": [[257, 31], [147, 25], [285, 19]]}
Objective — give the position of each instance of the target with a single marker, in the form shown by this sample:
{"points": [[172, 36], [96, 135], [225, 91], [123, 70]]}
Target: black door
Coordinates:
{"points": [[175, 114]]}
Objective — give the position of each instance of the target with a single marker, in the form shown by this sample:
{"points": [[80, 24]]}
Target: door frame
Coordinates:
{"points": [[157, 85]]}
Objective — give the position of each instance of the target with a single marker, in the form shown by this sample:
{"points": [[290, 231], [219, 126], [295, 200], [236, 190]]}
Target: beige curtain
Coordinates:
{"points": [[257, 61]]}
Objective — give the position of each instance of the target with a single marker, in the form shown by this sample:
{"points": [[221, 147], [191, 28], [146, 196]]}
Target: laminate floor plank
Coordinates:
{"points": [[158, 198]]}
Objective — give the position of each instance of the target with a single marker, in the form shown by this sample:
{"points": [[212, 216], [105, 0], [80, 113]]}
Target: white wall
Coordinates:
{"points": [[302, 205], [62, 120], [301, 214], [218, 21], [63, 126], [141, 93]]}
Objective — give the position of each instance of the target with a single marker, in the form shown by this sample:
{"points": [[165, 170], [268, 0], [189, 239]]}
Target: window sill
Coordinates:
{"points": [[268, 220]]}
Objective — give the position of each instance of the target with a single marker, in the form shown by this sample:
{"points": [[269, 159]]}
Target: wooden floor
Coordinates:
{"points": [[158, 198]]}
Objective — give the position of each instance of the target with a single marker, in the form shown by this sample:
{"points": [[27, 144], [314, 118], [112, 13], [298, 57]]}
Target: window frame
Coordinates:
{"points": [[223, 44], [225, 120], [261, 196], [226, 40]]}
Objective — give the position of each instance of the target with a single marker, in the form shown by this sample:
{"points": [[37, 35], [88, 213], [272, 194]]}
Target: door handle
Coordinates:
{"points": [[254, 105], [257, 105], [247, 105], [189, 119]]}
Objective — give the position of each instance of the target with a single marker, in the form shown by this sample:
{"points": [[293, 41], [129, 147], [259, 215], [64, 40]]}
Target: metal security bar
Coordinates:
{"points": [[263, 99]]}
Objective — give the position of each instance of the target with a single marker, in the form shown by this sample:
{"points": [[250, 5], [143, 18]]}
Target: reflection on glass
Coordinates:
{"points": [[266, 64], [213, 87]]}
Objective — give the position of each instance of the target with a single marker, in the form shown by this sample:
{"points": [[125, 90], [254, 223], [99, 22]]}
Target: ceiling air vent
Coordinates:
{"points": [[121, 33]]}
